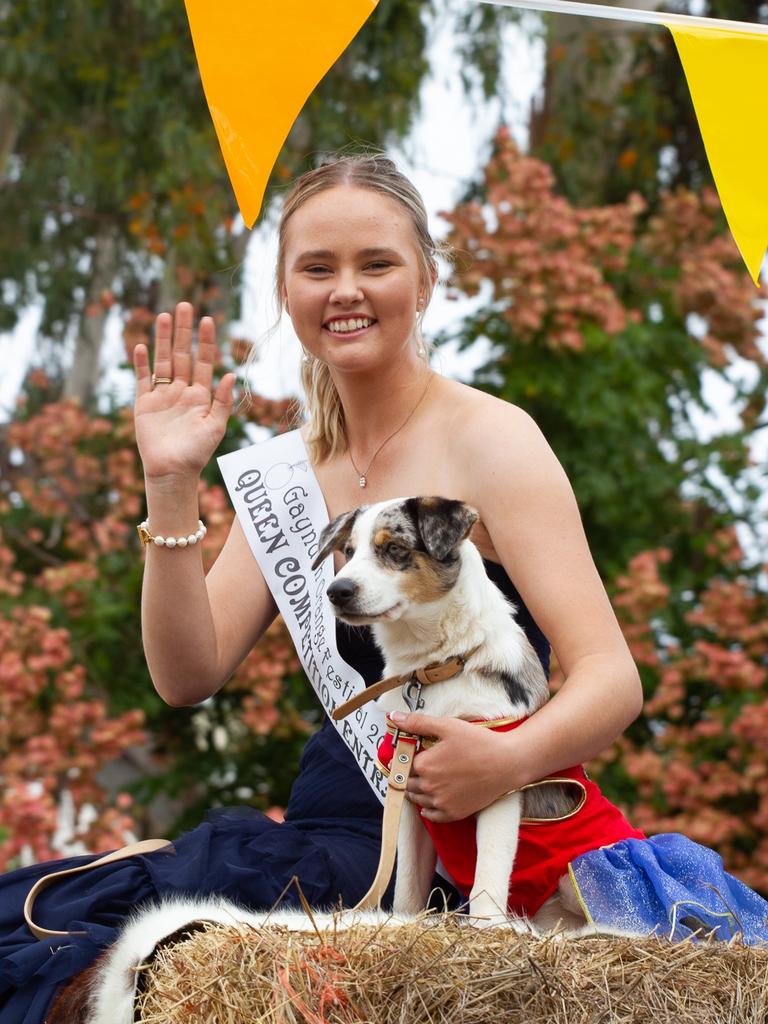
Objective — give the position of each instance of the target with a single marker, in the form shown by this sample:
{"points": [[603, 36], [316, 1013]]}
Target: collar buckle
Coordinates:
{"points": [[412, 694]]}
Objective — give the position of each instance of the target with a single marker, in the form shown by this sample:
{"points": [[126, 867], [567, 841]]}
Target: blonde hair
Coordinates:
{"points": [[324, 412]]}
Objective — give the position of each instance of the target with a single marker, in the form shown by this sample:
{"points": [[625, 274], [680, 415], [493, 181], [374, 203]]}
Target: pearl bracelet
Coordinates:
{"points": [[171, 542]]}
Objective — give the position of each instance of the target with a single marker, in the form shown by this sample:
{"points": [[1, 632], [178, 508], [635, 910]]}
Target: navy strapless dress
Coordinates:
{"points": [[330, 840]]}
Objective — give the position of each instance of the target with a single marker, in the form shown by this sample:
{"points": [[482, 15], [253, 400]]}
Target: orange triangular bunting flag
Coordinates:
{"points": [[259, 61]]}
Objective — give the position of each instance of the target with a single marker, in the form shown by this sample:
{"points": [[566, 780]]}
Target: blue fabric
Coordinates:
{"points": [[670, 886], [330, 840]]}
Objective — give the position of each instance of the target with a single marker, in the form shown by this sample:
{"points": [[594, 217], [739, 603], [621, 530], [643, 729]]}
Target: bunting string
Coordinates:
{"points": [[628, 14]]}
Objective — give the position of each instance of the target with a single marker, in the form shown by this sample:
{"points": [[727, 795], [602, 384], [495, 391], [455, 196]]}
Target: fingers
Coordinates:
{"points": [[182, 343], [174, 357], [141, 366], [420, 792], [428, 805], [420, 799], [206, 353], [440, 817], [163, 354], [173, 343], [422, 725], [222, 400]]}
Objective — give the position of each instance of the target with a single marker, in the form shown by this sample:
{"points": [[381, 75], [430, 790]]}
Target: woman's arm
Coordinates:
{"points": [[195, 629], [528, 507]]}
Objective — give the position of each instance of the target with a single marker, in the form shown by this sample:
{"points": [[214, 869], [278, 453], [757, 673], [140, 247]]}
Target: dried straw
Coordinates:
{"points": [[445, 973]]}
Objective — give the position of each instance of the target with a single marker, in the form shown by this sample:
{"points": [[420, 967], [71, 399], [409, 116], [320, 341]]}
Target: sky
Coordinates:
{"points": [[447, 147]]}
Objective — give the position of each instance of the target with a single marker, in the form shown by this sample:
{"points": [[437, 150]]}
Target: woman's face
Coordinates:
{"points": [[352, 278]]}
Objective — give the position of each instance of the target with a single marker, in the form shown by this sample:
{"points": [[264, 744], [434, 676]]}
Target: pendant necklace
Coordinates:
{"points": [[364, 475]]}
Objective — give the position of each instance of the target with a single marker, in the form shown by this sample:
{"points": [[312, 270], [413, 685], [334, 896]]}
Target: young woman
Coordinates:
{"points": [[356, 270], [355, 249]]}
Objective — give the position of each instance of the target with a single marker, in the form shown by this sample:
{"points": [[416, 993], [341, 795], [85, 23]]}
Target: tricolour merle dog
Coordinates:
{"points": [[416, 579]]}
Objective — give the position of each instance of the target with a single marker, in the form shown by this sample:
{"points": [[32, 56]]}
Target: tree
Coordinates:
{"points": [[115, 201], [81, 721], [603, 322], [697, 762]]}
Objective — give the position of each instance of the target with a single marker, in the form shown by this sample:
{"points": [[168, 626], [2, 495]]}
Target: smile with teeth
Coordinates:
{"points": [[349, 326]]}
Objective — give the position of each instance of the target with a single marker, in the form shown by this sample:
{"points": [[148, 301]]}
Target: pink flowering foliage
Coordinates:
{"points": [[697, 763], [548, 263], [603, 323], [54, 737]]}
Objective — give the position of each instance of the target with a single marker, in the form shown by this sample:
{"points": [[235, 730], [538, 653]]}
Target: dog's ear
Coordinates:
{"points": [[335, 535], [443, 524]]}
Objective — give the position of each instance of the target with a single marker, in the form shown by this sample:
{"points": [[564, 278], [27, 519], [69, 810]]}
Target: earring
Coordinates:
{"points": [[304, 357]]}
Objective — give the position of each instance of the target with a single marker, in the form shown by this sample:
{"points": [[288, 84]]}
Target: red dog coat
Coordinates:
{"points": [[545, 848]]}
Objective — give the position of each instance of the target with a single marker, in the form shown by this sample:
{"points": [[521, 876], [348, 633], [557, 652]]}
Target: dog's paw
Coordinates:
{"points": [[486, 911], [377, 918], [409, 907]]}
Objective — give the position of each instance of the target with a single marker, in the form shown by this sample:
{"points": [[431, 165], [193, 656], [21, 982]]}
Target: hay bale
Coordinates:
{"points": [[448, 973]]}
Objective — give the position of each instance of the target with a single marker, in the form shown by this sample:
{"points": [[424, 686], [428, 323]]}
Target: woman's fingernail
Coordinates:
{"points": [[398, 716]]}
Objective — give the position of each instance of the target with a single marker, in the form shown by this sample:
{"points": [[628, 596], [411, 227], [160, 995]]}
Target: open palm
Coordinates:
{"points": [[179, 425]]}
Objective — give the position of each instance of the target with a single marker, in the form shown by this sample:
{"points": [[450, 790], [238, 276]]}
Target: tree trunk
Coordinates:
{"points": [[10, 123], [83, 376], [586, 65]]}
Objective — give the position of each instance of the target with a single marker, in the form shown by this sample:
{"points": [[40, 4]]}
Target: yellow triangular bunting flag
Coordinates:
{"points": [[726, 77], [259, 61]]}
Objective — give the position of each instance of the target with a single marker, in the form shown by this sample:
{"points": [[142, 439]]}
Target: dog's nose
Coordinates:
{"points": [[342, 591]]}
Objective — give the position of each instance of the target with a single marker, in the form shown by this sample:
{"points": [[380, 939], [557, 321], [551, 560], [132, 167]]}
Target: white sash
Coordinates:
{"points": [[281, 508]]}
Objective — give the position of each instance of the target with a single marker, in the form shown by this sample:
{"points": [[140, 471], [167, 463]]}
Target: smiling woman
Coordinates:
{"points": [[356, 261]]}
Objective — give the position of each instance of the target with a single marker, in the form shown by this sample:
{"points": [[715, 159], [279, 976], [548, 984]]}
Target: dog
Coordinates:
{"points": [[416, 579]]}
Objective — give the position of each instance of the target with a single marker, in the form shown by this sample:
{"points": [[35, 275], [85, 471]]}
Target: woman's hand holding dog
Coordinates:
{"points": [[465, 771], [178, 426]]}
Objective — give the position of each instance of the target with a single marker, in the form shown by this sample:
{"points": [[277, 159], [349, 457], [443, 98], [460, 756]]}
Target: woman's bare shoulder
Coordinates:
{"points": [[481, 422], [477, 399]]}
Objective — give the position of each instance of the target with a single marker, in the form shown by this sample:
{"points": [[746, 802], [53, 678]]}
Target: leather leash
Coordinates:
{"points": [[132, 850], [406, 746]]}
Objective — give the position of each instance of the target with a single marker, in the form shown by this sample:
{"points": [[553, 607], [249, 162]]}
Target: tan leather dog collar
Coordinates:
{"points": [[434, 673]]}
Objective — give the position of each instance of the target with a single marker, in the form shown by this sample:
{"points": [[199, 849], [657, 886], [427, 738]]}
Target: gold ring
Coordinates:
{"points": [[161, 380]]}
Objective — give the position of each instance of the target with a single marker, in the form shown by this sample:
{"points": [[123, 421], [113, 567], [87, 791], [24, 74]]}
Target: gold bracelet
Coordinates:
{"points": [[170, 542]]}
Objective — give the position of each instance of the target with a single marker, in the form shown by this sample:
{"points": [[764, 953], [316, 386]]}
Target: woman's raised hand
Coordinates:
{"points": [[179, 425]]}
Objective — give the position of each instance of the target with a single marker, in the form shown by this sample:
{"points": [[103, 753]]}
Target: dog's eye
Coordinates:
{"points": [[348, 552], [396, 550]]}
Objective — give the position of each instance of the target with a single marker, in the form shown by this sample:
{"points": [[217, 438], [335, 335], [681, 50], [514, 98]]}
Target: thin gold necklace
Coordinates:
{"points": [[364, 476]]}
